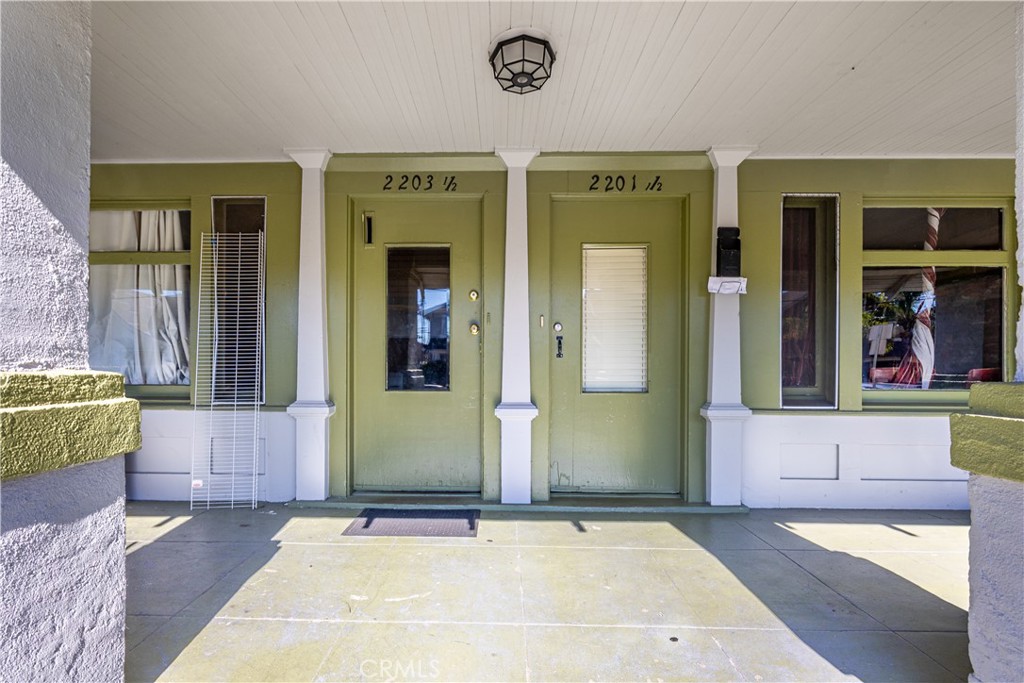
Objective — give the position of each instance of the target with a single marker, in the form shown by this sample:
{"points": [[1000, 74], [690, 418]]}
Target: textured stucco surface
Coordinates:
{"points": [[998, 398], [45, 67], [993, 446], [996, 620], [58, 386], [990, 440], [1019, 376], [62, 544], [55, 419]]}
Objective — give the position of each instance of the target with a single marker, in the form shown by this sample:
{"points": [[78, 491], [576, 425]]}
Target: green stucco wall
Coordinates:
{"points": [[858, 183], [990, 440], [51, 420]]}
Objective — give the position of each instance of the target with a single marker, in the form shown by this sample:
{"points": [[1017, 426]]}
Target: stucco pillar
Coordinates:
{"points": [[516, 410], [987, 443], [312, 407], [63, 428], [724, 411], [1019, 375]]}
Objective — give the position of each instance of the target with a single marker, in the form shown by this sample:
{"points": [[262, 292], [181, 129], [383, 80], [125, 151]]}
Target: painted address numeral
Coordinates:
{"points": [[417, 183], [620, 183]]}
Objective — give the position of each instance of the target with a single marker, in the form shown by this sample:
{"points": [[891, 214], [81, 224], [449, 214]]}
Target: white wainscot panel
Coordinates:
{"points": [[161, 469], [850, 461], [809, 461], [908, 462]]}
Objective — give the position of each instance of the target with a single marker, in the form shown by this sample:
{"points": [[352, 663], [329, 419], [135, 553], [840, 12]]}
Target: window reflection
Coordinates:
{"points": [[931, 328], [418, 318]]}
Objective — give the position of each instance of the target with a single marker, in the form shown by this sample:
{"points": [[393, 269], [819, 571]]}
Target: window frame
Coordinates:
{"points": [[827, 359], [248, 200], [1002, 258], [156, 393]]}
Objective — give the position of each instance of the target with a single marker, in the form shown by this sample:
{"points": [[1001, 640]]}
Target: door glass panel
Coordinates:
{"points": [[614, 319], [418, 318]]}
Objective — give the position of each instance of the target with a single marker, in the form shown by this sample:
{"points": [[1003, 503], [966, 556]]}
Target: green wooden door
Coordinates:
{"points": [[416, 364], [615, 391]]}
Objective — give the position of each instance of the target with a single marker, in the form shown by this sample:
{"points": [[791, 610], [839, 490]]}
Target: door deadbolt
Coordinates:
{"points": [[474, 329], [473, 295], [557, 327]]}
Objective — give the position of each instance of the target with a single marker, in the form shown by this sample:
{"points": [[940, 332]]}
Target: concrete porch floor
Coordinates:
{"points": [[278, 594]]}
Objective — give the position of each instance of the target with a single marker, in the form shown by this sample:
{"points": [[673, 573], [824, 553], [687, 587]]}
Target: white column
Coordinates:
{"points": [[516, 410], [312, 406], [724, 411]]}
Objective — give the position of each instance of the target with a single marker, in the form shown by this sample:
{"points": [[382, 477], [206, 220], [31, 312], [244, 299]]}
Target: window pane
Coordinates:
{"points": [[886, 228], [239, 214], [138, 322], [161, 230], [614, 319], [418, 318], [932, 328], [799, 292]]}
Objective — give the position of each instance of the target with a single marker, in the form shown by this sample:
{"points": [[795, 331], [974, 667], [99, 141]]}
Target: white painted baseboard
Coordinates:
{"points": [[850, 461]]}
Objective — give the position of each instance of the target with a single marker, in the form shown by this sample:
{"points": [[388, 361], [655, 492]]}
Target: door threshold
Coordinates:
{"points": [[559, 502]]}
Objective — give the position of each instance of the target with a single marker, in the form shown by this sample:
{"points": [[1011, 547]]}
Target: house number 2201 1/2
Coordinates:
{"points": [[417, 183], [621, 183]]}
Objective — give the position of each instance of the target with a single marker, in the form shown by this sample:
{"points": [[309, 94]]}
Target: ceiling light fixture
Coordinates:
{"points": [[522, 63]]}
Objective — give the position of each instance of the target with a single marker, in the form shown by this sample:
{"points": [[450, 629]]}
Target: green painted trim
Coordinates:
{"points": [[585, 162], [904, 410], [139, 204], [949, 398], [988, 445], [51, 420], [1003, 399], [376, 163], [145, 258], [991, 258], [995, 201], [645, 161]]}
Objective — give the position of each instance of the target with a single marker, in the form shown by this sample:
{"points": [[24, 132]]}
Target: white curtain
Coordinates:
{"points": [[139, 315]]}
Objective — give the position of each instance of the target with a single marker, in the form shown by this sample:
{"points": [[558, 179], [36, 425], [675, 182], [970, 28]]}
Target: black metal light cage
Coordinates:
{"points": [[522, 64]]}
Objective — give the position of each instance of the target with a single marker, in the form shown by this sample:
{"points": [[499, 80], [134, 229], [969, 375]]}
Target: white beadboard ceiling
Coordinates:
{"points": [[242, 81]]}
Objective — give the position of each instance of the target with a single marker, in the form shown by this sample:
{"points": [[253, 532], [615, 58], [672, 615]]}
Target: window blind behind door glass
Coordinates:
{"points": [[614, 319]]}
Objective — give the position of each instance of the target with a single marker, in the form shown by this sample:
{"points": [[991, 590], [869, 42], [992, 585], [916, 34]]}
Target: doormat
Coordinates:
{"points": [[427, 523]]}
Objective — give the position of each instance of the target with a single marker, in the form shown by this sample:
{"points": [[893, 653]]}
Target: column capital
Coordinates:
{"points": [[729, 156], [517, 158], [314, 158]]}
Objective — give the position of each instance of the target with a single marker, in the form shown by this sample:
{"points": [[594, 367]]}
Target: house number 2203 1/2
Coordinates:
{"points": [[418, 183], [621, 183]]}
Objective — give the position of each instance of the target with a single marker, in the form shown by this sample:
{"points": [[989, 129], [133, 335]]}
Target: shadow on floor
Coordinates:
{"points": [[848, 608], [183, 567], [278, 594]]}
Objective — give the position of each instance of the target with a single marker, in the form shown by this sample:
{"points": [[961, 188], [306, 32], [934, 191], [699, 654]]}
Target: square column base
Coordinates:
{"points": [[311, 448], [724, 468], [516, 451]]}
